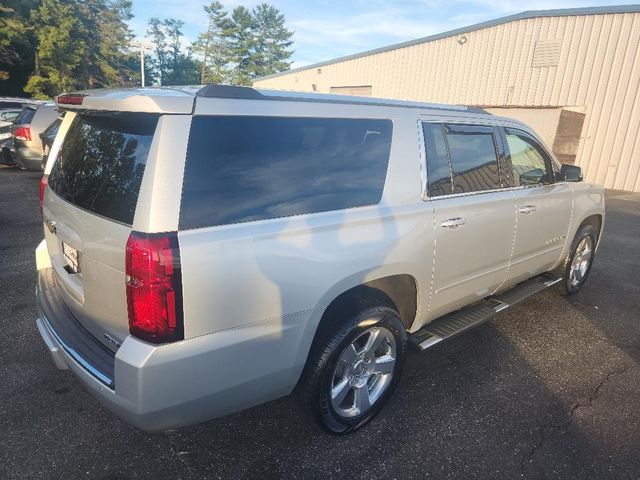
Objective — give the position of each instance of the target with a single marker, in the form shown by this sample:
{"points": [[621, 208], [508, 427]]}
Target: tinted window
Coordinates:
{"points": [[473, 158], [6, 105], [527, 159], [49, 135], [438, 171], [25, 116], [102, 161], [9, 115], [241, 169]]}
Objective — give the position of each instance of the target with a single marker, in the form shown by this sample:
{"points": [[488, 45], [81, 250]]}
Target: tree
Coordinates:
{"points": [[17, 45], [272, 42], [157, 63], [108, 42], [213, 46], [248, 44], [80, 44], [171, 65], [61, 48], [242, 45]]}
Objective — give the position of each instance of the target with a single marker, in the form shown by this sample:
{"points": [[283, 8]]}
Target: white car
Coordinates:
{"points": [[212, 248]]}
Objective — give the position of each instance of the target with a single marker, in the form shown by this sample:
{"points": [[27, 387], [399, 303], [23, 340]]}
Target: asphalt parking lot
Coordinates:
{"points": [[550, 389]]}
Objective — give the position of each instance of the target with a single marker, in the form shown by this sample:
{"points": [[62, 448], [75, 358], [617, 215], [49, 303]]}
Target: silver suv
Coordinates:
{"points": [[212, 248]]}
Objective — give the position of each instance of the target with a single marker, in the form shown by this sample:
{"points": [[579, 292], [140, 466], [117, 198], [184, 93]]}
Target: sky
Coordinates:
{"points": [[327, 29]]}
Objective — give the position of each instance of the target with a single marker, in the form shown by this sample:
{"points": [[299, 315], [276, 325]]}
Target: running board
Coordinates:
{"points": [[461, 320]]}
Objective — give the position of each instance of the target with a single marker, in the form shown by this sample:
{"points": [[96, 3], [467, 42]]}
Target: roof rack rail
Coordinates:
{"points": [[250, 93]]}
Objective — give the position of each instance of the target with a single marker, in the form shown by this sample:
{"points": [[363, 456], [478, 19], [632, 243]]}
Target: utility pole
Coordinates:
{"points": [[142, 45]]}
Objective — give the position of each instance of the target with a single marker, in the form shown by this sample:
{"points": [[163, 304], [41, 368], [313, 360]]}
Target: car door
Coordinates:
{"points": [[474, 214], [543, 205]]}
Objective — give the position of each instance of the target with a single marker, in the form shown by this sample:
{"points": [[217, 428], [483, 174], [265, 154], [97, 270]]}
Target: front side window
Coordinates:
{"points": [[474, 162], [529, 163], [247, 168]]}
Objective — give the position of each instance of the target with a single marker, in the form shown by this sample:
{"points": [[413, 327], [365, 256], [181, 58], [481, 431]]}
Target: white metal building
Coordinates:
{"points": [[572, 74]]}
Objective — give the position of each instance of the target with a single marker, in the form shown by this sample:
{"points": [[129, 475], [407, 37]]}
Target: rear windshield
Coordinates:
{"points": [[25, 116], [247, 168], [102, 161]]}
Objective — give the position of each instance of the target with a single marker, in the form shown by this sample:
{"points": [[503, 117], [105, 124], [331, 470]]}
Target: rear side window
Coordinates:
{"points": [[246, 168], [25, 116], [438, 171], [474, 161], [7, 105], [102, 161]]}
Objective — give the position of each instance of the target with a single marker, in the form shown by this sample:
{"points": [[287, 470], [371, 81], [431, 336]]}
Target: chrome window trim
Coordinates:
{"points": [[495, 190], [423, 160]]}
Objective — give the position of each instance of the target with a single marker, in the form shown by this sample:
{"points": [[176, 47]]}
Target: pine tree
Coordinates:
{"points": [[273, 41], [108, 43], [240, 33], [17, 45], [259, 43], [158, 63], [171, 65], [212, 46], [60, 51], [80, 44]]}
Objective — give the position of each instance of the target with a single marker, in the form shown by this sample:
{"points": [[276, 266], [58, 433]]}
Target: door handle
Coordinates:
{"points": [[527, 209], [453, 223]]}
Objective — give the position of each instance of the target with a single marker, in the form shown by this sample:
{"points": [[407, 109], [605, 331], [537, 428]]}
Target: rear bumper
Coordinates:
{"points": [[160, 387], [28, 158]]}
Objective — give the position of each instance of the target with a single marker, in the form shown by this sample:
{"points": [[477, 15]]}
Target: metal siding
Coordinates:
{"points": [[598, 68]]}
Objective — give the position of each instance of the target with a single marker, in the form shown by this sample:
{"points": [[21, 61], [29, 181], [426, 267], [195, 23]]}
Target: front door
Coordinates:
{"points": [[543, 206]]}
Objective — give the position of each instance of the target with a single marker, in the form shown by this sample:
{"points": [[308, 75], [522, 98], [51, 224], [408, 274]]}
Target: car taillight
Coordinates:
{"points": [[154, 287], [70, 98], [43, 187], [23, 134]]}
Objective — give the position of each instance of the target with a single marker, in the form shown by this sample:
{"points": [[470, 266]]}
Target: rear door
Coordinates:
{"points": [[474, 214], [543, 205], [88, 211]]}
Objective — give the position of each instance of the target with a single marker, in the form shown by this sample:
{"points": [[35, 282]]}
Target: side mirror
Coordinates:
{"points": [[571, 173]]}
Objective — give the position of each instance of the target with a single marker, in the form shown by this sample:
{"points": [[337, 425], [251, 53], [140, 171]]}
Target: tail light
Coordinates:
{"points": [[43, 187], [154, 287], [70, 98], [23, 133]]}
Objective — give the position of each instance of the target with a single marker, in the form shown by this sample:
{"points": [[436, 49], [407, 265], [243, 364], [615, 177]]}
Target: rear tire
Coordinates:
{"points": [[354, 371], [576, 266]]}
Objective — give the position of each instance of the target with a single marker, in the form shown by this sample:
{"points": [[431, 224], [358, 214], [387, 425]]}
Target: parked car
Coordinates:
{"points": [[16, 103], [6, 120], [47, 137], [7, 117], [212, 248], [27, 148]]}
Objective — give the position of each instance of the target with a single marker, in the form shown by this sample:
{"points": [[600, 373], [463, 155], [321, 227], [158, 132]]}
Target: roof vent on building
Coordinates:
{"points": [[547, 53]]}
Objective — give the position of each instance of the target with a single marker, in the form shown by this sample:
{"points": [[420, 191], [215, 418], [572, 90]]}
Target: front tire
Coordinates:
{"points": [[577, 264], [355, 370]]}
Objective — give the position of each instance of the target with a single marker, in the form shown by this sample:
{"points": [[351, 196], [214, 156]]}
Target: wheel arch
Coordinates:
{"points": [[595, 220], [398, 291]]}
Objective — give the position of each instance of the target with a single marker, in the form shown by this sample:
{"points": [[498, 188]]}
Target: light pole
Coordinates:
{"points": [[142, 45]]}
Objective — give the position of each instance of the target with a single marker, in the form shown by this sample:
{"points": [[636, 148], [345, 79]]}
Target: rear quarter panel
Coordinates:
{"points": [[280, 274]]}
